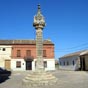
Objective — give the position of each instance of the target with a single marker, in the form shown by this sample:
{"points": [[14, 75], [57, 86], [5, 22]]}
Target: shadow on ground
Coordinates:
{"points": [[4, 75]]}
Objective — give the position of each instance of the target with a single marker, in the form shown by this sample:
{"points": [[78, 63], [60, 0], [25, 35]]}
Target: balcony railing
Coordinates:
{"points": [[28, 58]]}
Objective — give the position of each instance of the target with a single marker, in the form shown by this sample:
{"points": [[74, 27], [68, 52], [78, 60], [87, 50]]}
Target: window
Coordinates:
{"points": [[73, 62], [45, 64], [44, 53], [3, 49], [64, 63], [28, 52], [18, 64], [67, 63], [18, 53]]}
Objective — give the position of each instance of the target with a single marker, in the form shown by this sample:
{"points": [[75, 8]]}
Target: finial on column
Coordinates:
{"points": [[39, 20], [39, 9], [39, 6]]}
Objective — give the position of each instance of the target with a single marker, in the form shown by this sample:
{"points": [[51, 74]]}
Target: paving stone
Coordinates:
{"points": [[66, 79]]}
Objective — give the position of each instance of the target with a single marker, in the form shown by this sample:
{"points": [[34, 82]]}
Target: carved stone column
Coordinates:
{"points": [[39, 24], [39, 77]]}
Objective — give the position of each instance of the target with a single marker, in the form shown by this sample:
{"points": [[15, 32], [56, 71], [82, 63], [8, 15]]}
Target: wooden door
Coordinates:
{"points": [[28, 65], [7, 64]]}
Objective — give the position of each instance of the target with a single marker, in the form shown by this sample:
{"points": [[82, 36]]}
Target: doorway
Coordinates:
{"points": [[7, 64], [82, 63], [28, 65]]}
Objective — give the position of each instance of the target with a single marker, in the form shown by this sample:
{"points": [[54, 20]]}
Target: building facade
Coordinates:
{"points": [[20, 55], [5, 56], [74, 61], [29, 54]]}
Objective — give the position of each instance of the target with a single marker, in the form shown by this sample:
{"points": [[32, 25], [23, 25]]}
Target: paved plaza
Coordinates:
{"points": [[66, 79]]}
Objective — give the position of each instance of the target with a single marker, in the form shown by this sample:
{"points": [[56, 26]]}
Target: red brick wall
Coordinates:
{"points": [[49, 50]]}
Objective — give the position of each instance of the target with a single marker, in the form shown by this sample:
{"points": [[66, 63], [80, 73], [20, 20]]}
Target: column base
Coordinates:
{"points": [[39, 78]]}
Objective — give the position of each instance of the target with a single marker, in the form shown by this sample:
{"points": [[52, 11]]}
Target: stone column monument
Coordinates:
{"points": [[39, 77], [39, 24]]}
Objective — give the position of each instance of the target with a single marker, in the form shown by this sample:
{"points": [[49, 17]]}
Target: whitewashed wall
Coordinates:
{"points": [[33, 65], [2, 63], [13, 65], [7, 52], [70, 60], [4, 54], [50, 64]]}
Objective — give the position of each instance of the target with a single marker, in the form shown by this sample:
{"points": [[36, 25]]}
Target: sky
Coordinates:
{"points": [[66, 22]]}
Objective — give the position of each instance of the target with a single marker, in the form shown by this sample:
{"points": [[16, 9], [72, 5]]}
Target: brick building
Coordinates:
{"points": [[21, 54]]}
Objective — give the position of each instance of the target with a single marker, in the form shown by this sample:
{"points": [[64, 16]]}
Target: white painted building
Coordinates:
{"points": [[74, 61], [5, 56], [49, 64]]}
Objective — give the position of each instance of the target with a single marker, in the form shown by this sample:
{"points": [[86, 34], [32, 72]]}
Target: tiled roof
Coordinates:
{"points": [[79, 53], [12, 42]]}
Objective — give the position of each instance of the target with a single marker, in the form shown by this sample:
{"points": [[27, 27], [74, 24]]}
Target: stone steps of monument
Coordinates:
{"points": [[40, 77], [36, 83], [37, 78]]}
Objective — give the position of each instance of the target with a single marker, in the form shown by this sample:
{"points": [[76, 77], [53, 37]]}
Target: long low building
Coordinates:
{"points": [[20, 55], [74, 61]]}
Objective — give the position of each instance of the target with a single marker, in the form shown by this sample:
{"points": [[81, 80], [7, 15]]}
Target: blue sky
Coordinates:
{"points": [[66, 22]]}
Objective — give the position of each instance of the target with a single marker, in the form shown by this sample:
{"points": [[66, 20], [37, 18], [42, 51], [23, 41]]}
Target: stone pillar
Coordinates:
{"points": [[39, 49], [39, 77], [39, 24]]}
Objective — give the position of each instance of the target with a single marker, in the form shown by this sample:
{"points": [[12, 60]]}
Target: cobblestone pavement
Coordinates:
{"points": [[66, 79]]}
